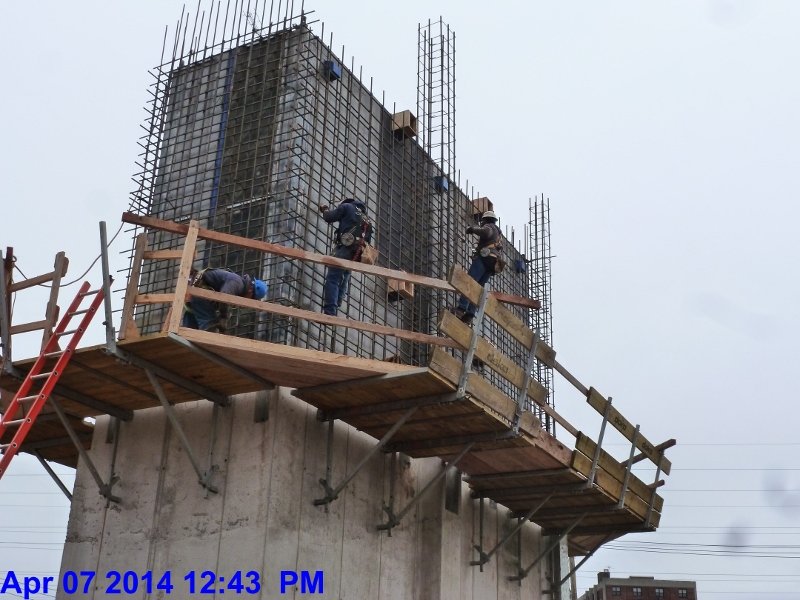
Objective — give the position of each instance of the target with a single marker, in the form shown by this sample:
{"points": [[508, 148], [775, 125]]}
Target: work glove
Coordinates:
{"points": [[472, 229], [322, 207]]}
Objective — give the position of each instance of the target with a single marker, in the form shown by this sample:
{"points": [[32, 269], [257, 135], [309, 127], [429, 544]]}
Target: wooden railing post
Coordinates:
{"points": [[127, 328], [182, 284]]}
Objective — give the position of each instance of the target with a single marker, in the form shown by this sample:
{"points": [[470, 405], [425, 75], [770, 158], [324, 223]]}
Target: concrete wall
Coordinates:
{"points": [[263, 517]]}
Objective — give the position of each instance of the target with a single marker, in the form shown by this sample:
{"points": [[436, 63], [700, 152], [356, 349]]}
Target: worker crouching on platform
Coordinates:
{"points": [[208, 315], [487, 260], [353, 229]]}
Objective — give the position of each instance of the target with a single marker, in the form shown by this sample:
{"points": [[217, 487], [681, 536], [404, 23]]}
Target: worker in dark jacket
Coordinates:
{"points": [[353, 226], [486, 260], [207, 315]]}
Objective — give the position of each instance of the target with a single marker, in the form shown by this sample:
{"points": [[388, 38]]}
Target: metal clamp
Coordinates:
{"points": [[393, 520], [523, 390], [473, 344]]}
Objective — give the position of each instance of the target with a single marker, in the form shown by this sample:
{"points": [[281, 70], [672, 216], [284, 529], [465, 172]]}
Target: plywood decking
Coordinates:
{"points": [[511, 459], [108, 384], [517, 471]]}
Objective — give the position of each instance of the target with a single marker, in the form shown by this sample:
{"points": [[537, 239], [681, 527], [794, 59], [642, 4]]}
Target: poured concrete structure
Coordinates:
{"points": [[263, 518]]}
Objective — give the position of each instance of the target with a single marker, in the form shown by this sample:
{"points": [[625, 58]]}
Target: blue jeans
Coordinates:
{"points": [[337, 282], [480, 270], [200, 314]]}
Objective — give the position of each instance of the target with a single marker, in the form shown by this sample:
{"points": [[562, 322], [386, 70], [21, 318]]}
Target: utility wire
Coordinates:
{"points": [[80, 277]]}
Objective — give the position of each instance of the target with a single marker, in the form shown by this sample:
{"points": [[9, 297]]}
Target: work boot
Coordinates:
{"points": [[478, 365], [467, 318]]}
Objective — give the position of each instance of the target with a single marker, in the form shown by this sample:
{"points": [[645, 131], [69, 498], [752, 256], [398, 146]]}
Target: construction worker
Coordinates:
{"points": [[486, 260], [208, 315], [354, 226]]}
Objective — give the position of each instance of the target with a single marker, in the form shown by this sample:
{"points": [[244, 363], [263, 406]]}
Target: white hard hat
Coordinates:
{"points": [[489, 214]]}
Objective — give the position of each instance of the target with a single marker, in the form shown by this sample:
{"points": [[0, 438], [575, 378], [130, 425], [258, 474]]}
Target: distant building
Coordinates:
{"points": [[639, 588]]}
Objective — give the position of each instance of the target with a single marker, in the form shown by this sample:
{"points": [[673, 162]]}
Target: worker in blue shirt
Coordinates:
{"points": [[208, 315], [353, 228]]}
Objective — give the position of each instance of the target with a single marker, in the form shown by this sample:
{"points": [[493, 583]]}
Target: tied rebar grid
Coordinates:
{"points": [[248, 132], [540, 286]]}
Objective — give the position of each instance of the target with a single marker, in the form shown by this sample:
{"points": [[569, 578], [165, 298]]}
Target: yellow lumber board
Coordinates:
{"points": [[154, 298], [308, 315], [461, 334], [613, 487], [26, 283], [470, 288], [288, 365], [287, 252], [187, 258], [517, 300], [127, 327], [482, 391], [32, 326], [163, 254], [626, 428], [587, 447]]}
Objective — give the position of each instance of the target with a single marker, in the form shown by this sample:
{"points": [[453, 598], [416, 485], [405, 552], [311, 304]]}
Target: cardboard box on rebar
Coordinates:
{"points": [[404, 124], [481, 205], [399, 289]]}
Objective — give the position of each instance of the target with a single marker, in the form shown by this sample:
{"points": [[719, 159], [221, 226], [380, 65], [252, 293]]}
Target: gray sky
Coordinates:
{"points": [[667, 137]]}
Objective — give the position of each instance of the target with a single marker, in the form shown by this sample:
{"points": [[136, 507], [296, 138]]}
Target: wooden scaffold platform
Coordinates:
{"points": [[575, 490]]}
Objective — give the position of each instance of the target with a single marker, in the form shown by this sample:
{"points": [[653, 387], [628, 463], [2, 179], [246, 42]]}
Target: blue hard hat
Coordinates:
{"points": [[259, 289]]}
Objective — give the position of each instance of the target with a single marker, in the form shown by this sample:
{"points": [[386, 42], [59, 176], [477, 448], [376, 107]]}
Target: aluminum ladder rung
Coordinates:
{"points": [[42, 375], [16, 422], [71, 331], [79, 312], [28, 398], [89, 293], [54, 354]]}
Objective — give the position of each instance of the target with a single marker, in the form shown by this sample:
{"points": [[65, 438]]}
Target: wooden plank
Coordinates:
{"points": [[627, 429], [510, 322], [182, 284], [308, 315], [32, 326], [295, 253], [154, 298], [127, 326], [587, 447], [288, 365], [461, 334], [484, 392], [51, 312], [379, 389], [517, 300], [26, 283], [162, 254]]}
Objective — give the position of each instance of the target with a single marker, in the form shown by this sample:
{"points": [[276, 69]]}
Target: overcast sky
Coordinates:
{"points": [[667, 137]]}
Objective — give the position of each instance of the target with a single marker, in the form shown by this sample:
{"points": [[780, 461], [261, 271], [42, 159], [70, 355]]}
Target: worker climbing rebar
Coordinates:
{"points": [[487, 260], [354, 227]]}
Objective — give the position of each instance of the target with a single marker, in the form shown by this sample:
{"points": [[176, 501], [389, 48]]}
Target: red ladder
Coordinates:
{"points": [[49, 379]]}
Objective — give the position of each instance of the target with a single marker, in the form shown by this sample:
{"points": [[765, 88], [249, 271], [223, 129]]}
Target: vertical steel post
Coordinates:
{"points": [[523, 390], [203, 477], [5, 315], [478, 324], [111, 337], [628, 468], [597, 451]]}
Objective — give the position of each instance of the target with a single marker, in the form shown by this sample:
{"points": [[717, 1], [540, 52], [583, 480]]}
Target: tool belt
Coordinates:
{"points": [[493, 250]]}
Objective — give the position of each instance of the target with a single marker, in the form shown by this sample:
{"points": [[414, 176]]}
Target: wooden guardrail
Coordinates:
{"points": [[8, 287], [589, 458], [183, 291]]}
